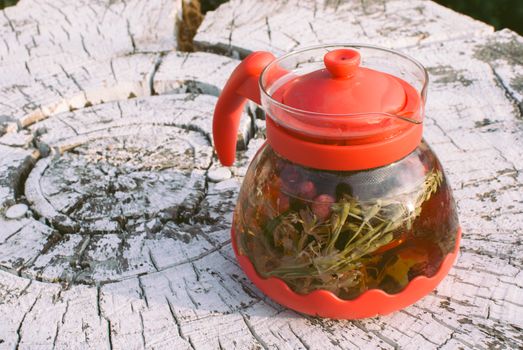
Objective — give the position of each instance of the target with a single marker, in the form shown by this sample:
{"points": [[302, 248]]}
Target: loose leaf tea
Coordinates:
{"points": [[346, 232]]}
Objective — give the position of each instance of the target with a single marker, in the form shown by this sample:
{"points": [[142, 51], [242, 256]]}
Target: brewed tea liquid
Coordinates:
{"points": [[346, 232]]}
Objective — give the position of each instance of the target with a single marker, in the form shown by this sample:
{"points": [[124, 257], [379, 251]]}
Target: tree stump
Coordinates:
{"points": [[115, 212]]}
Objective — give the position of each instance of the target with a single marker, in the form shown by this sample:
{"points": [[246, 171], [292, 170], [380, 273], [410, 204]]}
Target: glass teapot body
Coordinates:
{"points": [[344, 212], [346, 232]]}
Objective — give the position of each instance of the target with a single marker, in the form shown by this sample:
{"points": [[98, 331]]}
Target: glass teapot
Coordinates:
{"points": [[344, 212]]}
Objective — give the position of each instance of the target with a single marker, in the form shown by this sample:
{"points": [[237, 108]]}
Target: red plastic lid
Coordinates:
{"points": [[345, 101], [344, 88]]}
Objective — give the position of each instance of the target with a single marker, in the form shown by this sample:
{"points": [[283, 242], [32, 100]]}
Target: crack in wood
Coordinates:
{"points": [[441, 346], [11, 25], [188, 292], [386, 340], [454, 330], [142, 293], [220, 346], [177, 323], [300, 339], [56, 334], [268, 28], [20, 325], [253, 331], [84, 47], [153, 261], [130, 34], [482, 271], [142, 331], [518, 105], [23, 291], [109, 335], [15, 232], [65, 311], [98, 300], [231, 29], [499, 302]]}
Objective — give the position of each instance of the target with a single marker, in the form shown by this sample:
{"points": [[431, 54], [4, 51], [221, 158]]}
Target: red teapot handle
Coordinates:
{"points": [[242, 85]]}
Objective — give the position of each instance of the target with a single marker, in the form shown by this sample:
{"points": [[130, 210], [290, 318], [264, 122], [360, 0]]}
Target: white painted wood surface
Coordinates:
{"points": [[115, 215]]}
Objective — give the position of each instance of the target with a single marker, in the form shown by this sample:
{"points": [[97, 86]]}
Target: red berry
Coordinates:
{"points": [[321, 206], [307, 190]]}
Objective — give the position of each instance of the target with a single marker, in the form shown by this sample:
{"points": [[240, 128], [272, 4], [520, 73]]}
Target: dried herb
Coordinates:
{"points": [[338, 245]]}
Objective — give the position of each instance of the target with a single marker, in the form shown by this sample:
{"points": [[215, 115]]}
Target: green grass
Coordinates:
{"points": [[500, 14], [5, 3]]}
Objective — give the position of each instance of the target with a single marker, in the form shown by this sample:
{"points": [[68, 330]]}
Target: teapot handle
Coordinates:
{"points": [[242, 85]]}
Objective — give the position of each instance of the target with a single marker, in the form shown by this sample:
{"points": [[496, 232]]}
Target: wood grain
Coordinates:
{"points": [[115, 213]]}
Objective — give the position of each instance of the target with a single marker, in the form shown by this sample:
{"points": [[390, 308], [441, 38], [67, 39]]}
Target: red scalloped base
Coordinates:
{"points": [[325, 304]]}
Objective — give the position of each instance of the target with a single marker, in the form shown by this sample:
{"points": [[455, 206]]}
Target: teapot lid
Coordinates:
{"points": [[328, 111], [343, 87]]}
